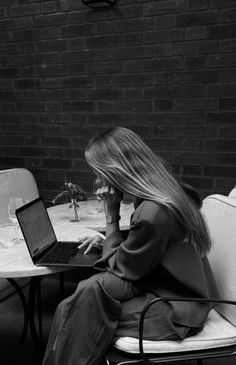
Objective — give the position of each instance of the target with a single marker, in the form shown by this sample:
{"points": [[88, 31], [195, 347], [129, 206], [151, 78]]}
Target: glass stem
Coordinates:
{"points": [[17, 236]]}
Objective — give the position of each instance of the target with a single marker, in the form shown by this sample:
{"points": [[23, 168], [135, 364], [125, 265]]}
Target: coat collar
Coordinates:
{"points": [[137, 202]]}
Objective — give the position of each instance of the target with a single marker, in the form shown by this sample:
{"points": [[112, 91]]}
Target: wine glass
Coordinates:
{"points": [[13, 204]]}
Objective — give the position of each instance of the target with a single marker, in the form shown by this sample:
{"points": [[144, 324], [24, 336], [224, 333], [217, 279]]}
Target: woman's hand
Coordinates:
{"points": [[91, 242]]}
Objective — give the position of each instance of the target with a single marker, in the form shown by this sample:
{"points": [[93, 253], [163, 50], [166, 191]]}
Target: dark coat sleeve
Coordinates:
{"points": [[139, 254]]}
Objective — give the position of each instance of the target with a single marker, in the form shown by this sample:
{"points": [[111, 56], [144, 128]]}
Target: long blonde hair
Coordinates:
{"points": [[127, 163]]}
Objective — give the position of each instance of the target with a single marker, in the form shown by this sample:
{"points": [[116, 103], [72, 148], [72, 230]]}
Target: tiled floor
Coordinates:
{"points": [[11, 321]]}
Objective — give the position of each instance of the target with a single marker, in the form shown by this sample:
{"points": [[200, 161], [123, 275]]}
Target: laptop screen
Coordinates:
{"points": [[36, 226]]}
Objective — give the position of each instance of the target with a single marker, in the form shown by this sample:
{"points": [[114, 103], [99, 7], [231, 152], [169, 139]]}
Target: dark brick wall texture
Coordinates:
{"points": [[164, 68]]}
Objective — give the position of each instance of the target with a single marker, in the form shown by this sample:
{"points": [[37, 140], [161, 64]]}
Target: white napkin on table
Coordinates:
{"points": [[7, 243], [7, 235]]}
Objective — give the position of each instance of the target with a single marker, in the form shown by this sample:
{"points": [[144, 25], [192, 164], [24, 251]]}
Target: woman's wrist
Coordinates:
{"points": [[112, 213], [112, 209], [112, 218]]}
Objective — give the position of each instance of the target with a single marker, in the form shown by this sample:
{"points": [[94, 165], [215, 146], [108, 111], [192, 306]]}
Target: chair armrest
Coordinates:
{"points": [[169, 299]]}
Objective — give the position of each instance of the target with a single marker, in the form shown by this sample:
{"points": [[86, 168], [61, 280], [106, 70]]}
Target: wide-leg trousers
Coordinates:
{"points": [[85, 323]]}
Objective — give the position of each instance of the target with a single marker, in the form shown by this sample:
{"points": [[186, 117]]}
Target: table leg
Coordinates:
{"points": [[35, 293], [25, 308], [34, 299], [29, 310]]}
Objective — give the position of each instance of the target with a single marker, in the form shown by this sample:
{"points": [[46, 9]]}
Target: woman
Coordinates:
{"points": [[164, 254]]}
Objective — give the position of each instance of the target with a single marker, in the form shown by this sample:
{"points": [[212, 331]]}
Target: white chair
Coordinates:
{"points": [[15, 183], [232, 194], [218, 338]]}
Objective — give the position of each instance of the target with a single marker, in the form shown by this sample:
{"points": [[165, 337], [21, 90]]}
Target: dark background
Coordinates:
{"points": [[164, 68]]}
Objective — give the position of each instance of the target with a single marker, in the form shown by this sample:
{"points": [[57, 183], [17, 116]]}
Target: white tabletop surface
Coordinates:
{"points": [[16, 261], [91, 215]]}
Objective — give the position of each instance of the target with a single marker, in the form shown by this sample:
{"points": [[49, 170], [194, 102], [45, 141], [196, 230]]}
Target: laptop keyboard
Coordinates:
{"points": [[62, 253]]}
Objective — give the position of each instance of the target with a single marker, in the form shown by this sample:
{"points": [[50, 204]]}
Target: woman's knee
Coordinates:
{"points": [[89, 285], [117, 288]]}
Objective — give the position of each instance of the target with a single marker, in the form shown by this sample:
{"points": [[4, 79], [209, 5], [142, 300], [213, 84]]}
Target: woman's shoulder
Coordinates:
{"points": [[152, 212]]}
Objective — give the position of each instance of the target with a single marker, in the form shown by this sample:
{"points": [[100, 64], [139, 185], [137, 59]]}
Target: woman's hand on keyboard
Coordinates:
{"points": [[91, 242]]}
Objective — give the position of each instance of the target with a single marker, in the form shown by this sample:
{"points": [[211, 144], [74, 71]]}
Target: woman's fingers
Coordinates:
{"points": [[108, 193], [84, 242], [99, 194], [94, 244], [90, 242], [89, 248], [103, 192]]}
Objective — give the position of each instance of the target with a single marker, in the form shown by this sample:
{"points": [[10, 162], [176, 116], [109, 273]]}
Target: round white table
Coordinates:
{"points": [[16, 261]]}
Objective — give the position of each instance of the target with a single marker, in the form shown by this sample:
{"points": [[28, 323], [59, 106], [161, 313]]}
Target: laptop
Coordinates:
{"points": [[42, 243]]}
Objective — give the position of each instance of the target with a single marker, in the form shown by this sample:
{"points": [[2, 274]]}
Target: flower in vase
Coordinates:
{"points": [[75, 193]]}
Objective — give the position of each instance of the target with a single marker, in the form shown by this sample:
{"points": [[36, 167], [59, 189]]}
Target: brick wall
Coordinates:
{"points": [[164, 68]]}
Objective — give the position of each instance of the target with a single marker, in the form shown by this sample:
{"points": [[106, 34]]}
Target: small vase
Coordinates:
{"points": [[74, 213]]}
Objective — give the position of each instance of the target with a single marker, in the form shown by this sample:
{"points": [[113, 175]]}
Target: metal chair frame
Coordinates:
{"points": [[118, 357]]}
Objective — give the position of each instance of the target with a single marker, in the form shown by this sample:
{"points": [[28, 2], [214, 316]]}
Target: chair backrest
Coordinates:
{"points": [[15, 183], [220, 214], [232, 194]]}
